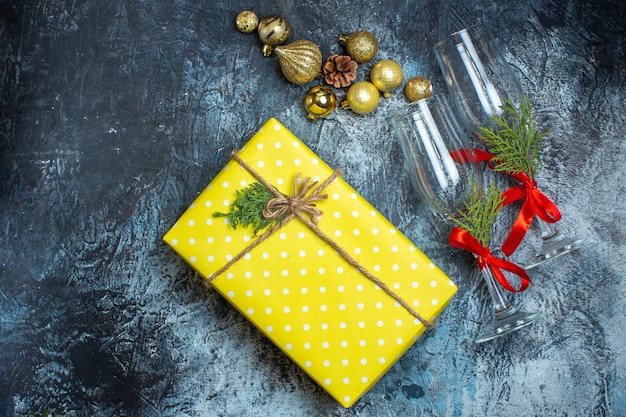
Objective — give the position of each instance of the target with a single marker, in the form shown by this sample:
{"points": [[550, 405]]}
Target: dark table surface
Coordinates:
{"points": [[115, 114]]}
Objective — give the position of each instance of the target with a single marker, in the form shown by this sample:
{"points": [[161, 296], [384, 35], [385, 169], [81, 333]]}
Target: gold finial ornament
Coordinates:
{"points": [[300, 61], [319, 102], [387, 76], [418, 88], [362, 98], [247, 21], [362, 46], [273, 30]]}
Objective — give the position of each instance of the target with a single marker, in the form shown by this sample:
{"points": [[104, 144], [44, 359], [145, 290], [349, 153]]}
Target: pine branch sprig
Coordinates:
{"points": [[248, 207], [515, 140], [46, 413], [481, 211]]}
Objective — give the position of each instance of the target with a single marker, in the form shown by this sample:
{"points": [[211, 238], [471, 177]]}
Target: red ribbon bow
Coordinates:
{"points": [[535, 203], [462, 239]]}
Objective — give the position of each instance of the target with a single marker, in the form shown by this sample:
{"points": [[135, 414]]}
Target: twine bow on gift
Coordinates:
{"points": [[536, 203], [462, 239], [301, 205]]}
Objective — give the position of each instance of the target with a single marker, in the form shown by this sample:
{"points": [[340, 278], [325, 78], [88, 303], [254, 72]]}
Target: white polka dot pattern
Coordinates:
{"points": [[341, 328]]}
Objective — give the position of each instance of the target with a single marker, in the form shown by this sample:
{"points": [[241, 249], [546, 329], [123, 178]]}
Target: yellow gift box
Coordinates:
{"points": [[338, 325]]}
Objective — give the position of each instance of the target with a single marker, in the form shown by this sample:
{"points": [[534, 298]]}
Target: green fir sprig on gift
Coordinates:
{"points": [[247, 209], [46, 413], [516, 139], [480, 213]]}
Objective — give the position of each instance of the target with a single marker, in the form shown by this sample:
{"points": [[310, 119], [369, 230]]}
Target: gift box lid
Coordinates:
{"points": [[338, 325]]}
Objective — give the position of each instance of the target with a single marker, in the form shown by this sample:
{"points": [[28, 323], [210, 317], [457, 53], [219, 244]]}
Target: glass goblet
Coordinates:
{"points": [[428, 133], [479, 80]]}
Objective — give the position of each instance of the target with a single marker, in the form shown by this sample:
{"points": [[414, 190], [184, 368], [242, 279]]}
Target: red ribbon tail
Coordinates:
{"points": [[519, 229], [471, 155], [482, 156], [498, 264], [545, 208], [463, 156], [499, 276], [513, 194]]}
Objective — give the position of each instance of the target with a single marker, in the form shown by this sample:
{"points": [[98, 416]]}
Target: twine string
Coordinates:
{"points": [[302, 206]]}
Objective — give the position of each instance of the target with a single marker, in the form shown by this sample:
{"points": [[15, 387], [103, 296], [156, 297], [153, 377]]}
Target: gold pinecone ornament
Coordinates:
{"points": [[300, 61], [340, 70]]}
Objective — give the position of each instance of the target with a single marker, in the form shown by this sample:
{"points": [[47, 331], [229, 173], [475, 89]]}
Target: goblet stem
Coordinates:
{"points": [[507, 318], [501, 304], [554, 244], [548, 230]]}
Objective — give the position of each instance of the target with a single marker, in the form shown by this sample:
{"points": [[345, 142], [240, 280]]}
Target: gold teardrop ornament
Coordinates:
{"points": [[362, 98], [418, 88], [300, 61], [319, 102], [387, 76], [362, 46], [273, 30]]}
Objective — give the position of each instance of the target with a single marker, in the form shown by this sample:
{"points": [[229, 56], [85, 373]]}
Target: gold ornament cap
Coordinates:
{"points": [[387, 76], [362, 98], [273, 30], [418, 88], [319, 102], [362, 46], [247, 21]]}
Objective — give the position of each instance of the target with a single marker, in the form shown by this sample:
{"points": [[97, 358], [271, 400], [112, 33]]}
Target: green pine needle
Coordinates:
{"points": [[516, 140], [481, 211], [248, 207], [46, 413]]}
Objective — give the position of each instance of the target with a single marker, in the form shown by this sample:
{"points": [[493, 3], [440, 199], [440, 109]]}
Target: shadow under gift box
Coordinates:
{"points": [[340, 327]]}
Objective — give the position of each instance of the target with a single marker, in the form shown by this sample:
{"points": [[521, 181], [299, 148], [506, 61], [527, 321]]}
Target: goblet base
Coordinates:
{"points": [[506, 322], [556, 246]]}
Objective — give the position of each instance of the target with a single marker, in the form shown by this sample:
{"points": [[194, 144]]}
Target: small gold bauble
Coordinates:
{"points": [[362, 98], [247, 21], [418, 88], [362, 46], [300, 61], [319, 102], [273, 30], [387, 76]]}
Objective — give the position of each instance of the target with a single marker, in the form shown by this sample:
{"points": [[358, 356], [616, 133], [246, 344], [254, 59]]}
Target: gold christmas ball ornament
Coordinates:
{"points": [[418, 88], [362, 46], [247, 21], [273, 30], [319, 102], [387, 76], [362, 98], [300, 61]]}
